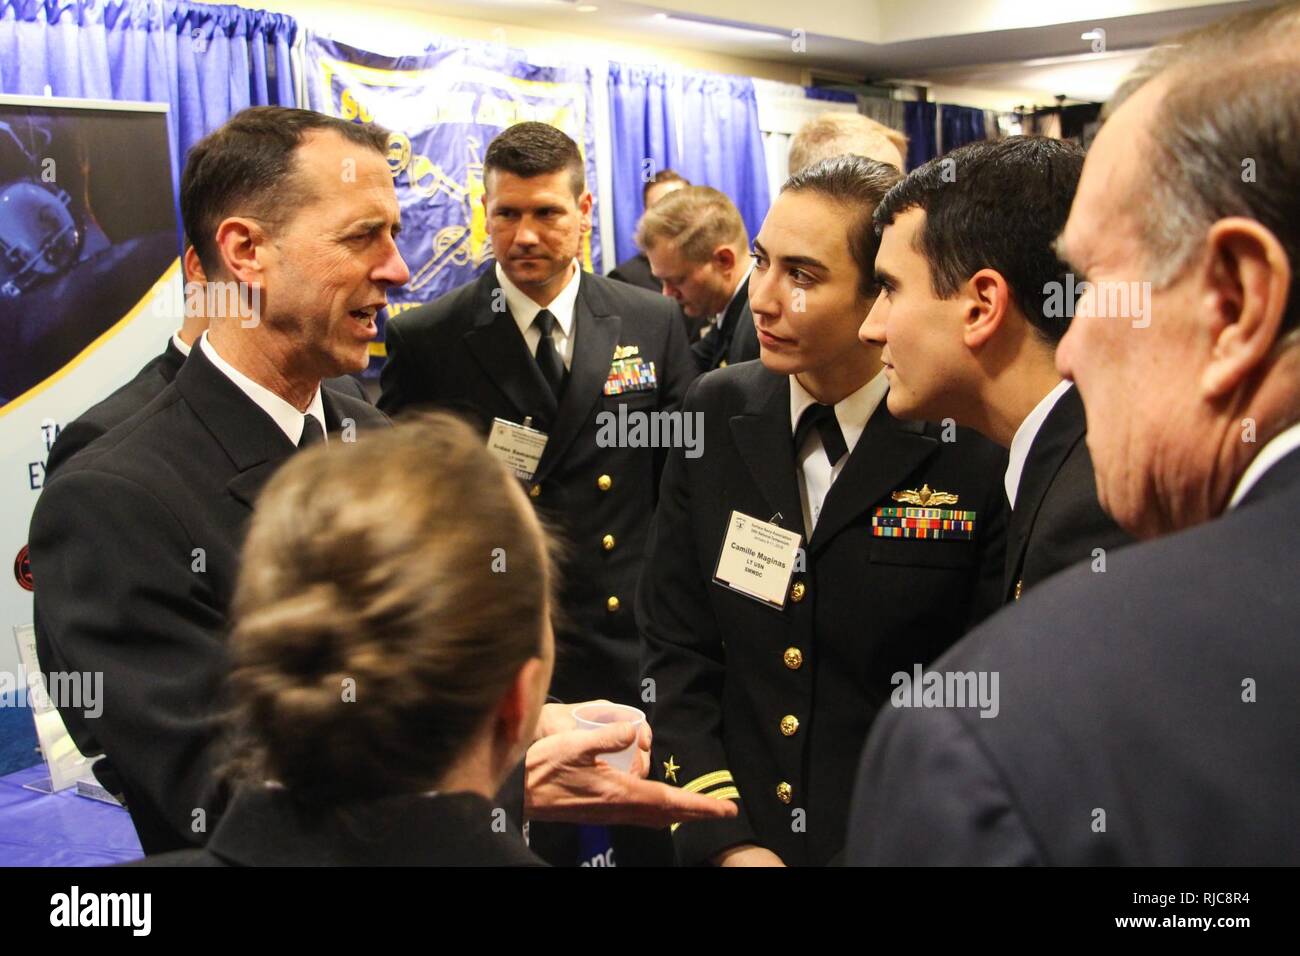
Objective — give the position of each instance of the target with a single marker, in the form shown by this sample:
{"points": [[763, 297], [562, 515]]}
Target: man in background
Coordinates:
{"points": [[636, 270], [835, 134], [698, 249]]}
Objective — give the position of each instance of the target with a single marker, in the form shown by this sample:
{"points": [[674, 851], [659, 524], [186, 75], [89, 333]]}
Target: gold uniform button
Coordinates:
{"points": [[534, 491], [604, 482], [1020, 586], [793, 658], [784, 792], [612, 604], [607, 542], [789, 725], [798, 591]]}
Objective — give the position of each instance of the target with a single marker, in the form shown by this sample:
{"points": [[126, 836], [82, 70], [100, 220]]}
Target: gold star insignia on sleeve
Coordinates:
{"points": [[670, 769], [926, 497]]}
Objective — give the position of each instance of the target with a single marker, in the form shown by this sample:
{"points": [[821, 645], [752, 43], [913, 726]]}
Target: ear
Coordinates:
{"points": [[724, 257], [1244, 282], [584, 207], [521, 704], [241, 248], [988, 298], [192, 267]]}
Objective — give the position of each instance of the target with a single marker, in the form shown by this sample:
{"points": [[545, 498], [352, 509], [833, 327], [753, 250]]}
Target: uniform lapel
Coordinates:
{"points": [[595, 332], [888, 451], [1063, 428], [497, 346], [250, 438], [766, 444]]}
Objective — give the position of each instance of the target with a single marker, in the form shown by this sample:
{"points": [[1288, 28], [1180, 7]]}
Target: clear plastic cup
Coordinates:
{"points": [[598, 716]]}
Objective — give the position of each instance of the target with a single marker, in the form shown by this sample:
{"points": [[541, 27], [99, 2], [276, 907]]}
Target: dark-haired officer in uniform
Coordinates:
{"points": [[818, 547], [552, 361]]}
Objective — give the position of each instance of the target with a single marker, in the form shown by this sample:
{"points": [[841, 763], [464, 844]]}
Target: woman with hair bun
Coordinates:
{"points": [[391, 653]]}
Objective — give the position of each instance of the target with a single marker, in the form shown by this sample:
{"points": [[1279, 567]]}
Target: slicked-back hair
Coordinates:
{"points": [[535, 149], [858, 184], [247, 167], [995, 204]]}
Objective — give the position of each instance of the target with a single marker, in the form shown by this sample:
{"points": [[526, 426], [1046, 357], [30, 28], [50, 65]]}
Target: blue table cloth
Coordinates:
{"points": [[60, 829]]}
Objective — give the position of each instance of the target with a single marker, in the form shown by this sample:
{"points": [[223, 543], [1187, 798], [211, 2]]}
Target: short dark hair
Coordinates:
{"points": [[247, 165], [535, 149], [661, 177], [995, 204], [859, 184]]}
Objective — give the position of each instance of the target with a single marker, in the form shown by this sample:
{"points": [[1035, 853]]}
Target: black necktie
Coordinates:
{"points": [[821, 417], [548, 360], [312, 433]]}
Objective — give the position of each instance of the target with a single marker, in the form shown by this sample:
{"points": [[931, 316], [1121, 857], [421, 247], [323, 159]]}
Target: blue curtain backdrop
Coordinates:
{"points": [[207, 61], [918, 124], [645, 141], [959, 125], [720, 145]]}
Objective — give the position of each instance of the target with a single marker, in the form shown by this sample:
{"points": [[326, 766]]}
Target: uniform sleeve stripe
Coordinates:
{"points": [[708, 780], [722, 793]]}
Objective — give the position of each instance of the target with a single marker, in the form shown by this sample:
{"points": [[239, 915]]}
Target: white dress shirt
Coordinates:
{"points": [[1025, 436], [814, 470], [524, 310], [1278, 447], [180, 344], [282, 413]]}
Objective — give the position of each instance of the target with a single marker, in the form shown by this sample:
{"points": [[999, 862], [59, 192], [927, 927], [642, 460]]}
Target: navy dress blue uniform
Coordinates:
{"points": [[458, 353], [771, 706], [1057, 521], [121, 590], [1127, 733], [732, 342], [156, 375]]}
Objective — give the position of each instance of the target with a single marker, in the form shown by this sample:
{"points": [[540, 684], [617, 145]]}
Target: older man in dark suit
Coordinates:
{"points": [[1147, 715]]}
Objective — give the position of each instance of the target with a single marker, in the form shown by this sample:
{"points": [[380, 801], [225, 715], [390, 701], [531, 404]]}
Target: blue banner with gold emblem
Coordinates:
{"points": [[443, 106]]}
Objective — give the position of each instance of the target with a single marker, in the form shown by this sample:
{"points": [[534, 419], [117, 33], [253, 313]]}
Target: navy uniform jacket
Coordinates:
{"points": [[156, 375], [729, 670], [1057, 520], [733, 343], [121, 591], [636, 271], [457, 353], [264, 827], [1123, 736]]}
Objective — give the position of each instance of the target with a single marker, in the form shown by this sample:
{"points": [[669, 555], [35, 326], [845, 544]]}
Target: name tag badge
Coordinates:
{"points": [[757, 559], [519, 446]]}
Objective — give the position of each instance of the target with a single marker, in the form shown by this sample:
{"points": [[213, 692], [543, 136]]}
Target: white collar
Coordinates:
{"points": [[524, 310], [852, 412], [721, 316], [180, 344], [1278, 447], [1025, 435], [282, 413]]}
